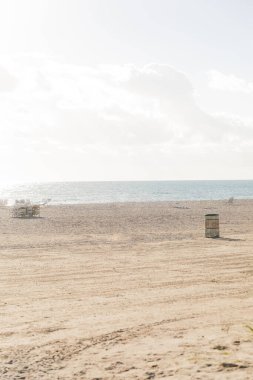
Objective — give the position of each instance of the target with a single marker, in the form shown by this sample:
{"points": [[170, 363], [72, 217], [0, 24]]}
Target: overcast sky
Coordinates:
{"points": [[126, 90]]}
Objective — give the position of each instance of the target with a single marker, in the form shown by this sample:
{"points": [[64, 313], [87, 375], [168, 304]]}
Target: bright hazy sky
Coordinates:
{"points": [[126, 90]]}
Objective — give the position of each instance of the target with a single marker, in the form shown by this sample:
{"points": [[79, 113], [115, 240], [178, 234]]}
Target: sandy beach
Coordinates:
{"points": [[127, 291]]}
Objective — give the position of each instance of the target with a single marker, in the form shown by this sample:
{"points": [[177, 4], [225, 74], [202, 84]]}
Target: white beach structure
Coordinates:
{"points": [[231, 200]]}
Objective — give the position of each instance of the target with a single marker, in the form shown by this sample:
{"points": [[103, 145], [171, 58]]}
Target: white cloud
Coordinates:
{"points": [[223, 82], [60, 121], [8, 82]]}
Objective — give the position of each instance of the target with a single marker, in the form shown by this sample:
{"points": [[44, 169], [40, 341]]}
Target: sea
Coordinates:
{"points": [[128, 191]]}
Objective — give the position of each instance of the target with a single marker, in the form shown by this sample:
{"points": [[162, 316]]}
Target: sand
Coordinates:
{"points": [[127, 291]]}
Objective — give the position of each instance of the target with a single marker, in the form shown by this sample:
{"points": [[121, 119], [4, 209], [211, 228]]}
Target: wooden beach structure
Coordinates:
{"points": [[25, 209], [212, 226]]}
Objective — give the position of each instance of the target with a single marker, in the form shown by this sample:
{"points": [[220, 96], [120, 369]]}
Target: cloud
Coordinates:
{"points": [[8, 82], [223, 82], [105, 122], [160, 81]]}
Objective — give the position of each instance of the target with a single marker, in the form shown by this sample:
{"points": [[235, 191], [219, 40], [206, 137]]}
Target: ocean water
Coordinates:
{"points": [[139, 191]]}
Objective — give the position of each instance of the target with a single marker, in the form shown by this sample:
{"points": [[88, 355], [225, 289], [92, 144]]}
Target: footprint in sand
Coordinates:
{"points": [[233, 365], [220, 348]]}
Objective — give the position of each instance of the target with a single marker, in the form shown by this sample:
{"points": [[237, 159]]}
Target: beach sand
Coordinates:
{"points": [[127, 291]]}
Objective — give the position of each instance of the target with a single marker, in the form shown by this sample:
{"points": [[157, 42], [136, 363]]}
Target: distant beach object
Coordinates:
{"points": [[22, 202], [45, 201], [3, 202], [212, 226], [231, 200], [25, 210]]}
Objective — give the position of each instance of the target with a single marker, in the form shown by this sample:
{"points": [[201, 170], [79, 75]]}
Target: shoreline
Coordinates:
{"points": [[225, 200]]}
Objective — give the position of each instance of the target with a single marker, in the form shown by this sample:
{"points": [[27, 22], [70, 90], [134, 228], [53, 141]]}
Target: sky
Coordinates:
{"points": [[125, 90]]}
